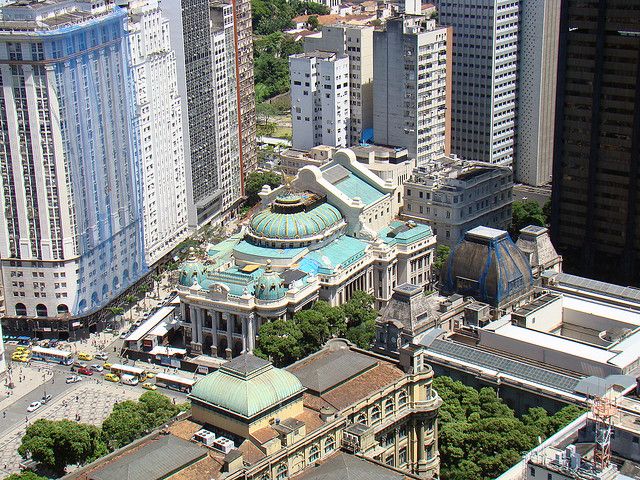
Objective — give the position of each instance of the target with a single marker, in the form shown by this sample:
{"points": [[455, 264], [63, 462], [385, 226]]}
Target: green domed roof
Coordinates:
{"points": [[287, 218], [246, 386], [270, 286], [189, 271]]}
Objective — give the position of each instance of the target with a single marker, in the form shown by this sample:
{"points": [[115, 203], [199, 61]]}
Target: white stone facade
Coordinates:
{"points": [[319, 99], [159, 121]]}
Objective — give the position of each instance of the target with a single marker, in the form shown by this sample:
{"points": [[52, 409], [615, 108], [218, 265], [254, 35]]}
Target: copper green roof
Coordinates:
{"points": [[293, 225], [246, 386], [270, 286]]}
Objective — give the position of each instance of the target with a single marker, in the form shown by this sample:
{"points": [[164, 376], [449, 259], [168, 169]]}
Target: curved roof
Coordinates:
{"points": [[287, 218], [270, 286], [246, 386], [488, 266], [189, 271]]}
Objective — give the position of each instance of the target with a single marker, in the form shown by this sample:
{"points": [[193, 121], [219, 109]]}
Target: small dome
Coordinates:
{"points": [[246, 386], [270, 285], [290, 218], [190, 272]]}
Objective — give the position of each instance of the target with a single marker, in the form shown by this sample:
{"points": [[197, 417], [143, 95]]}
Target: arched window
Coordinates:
{"points": [[402, 399], [62, 309], [282, 472], [82, 305], [41, 310], [21, 310], [329, 445], [361, 419], [266, 476], [376, 416], [314, 453], [105, 290], [389, 407]]}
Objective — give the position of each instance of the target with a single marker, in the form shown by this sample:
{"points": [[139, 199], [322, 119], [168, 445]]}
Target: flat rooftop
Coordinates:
{"points": [[485, 233]]}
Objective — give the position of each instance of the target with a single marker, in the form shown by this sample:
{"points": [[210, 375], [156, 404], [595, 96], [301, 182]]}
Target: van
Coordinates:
{"points": [[129, 380]]}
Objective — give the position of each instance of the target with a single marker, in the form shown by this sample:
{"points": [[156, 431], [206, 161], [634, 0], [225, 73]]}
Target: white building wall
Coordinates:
{"points": [[160, 129], [303, 99]]}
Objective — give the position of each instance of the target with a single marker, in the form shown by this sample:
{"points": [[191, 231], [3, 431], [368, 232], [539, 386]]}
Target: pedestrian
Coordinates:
{"points": [[4, 414]]}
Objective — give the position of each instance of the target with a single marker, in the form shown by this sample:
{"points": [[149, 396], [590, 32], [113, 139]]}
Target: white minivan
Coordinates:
{"points": [[129, 380]]}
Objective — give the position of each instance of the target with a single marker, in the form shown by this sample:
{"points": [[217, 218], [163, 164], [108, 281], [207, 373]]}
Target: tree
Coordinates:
{"points": [[256, 180], [56, 444], [359, 309], [130, 419], [157, 278], [313, 22], [526, 213], [335, 317], [442, 253], [279, 341], [116, 312], [363, 334], [315, 329], [25, 475], [143, 290], [130, 300]]}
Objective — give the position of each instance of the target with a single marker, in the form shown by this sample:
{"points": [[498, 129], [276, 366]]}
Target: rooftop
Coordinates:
{"points": [[348, 467], [486, 233], [349, 184]]}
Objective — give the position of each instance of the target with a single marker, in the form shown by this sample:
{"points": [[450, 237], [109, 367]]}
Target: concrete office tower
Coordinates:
{"points": [[411, 88], [356, 42], [485, 54], [595, 215], [319, 99], [245, 87], [159, 122], [538, 64], [72, 235], [204, 39]]}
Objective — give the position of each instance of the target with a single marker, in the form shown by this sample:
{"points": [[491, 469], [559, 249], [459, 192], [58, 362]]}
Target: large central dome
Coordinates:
{"points": [[295, 217]]}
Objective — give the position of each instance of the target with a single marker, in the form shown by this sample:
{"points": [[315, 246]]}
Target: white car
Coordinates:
{"points": [[73, 379], [97, 368], [101, 355], [33, 406]]}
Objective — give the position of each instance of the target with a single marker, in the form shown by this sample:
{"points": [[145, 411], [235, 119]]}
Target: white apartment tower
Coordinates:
{"points": [[485, 54], [159, 129], [319, 99], [536, 110], [356, 42], [411, 87], [72, 234]]}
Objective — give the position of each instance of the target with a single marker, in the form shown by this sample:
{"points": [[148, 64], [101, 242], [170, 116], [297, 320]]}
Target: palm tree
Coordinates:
{"points": [[130, 300], [144, 289], [116, 311], [157, 278]]}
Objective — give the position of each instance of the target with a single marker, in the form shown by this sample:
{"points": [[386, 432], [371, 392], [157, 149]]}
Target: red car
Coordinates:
{"points": [[85, 371]]}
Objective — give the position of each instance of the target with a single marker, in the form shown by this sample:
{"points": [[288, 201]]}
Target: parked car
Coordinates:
{"points": [[149, 386], [45, 399], [112, 377], [78, 364], [124, 334], [33, 406], [101, 356], [73, 379], [85, 371], [96, 368]]}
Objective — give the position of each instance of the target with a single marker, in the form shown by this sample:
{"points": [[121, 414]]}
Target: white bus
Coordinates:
{"points": [[121, 370], [53, 355], [175, 382], [129, 380]]}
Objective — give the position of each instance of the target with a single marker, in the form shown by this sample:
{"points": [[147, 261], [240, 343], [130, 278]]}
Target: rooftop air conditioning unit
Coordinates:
{"points": [[205, 437], [223, 444]]}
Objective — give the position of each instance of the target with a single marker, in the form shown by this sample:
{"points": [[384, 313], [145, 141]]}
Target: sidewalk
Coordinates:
{"points": [[25, 378]]}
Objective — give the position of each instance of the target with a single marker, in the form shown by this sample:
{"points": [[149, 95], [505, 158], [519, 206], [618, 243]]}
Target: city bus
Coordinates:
{"points": [[53, 355], [121, 370], [175, 382]]}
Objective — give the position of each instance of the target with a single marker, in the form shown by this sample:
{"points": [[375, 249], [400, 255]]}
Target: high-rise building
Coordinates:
{"points": [[356, 42], [319, 99], [595, 215], [485, 54], [205, 42], [72, 231], [243, 58], [159, 128], [537, 68], [411, 88]]}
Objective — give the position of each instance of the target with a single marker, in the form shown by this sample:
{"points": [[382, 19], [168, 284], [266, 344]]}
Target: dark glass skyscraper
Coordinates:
{"points": [[596, 216]]}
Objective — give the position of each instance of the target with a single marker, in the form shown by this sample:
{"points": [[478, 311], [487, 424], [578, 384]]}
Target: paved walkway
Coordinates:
{"points": [[91, 401], [25, 379]]}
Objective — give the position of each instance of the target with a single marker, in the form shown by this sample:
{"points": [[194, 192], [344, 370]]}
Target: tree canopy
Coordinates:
{"points": [[526, 213], [480, 436], [56, 444], [256, 180], [284, 342], [442, 253], [131, 419], [269, 16], [25, 475]]}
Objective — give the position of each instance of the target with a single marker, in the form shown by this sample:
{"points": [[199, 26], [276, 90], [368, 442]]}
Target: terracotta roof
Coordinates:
{"points": [[314, 402], [209, 467], [363, 385], [184, 429], [265, 434], [250, 452], [311, 420], [330, 19]]}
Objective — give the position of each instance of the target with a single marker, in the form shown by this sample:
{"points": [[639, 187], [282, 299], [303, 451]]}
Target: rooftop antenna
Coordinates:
{"points": [[603, 410]]}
